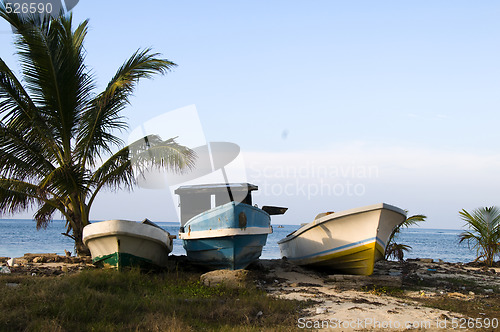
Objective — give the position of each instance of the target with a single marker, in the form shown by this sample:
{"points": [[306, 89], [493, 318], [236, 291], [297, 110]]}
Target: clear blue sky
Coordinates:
{"points": [[398, 100]]}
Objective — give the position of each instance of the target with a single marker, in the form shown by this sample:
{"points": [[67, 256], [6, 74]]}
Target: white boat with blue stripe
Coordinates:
{"points": [[220, 228], [350, 241]]}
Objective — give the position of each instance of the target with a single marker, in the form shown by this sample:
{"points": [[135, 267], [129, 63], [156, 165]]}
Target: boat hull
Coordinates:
{"points": [[230, 236], [123, 243], [348, 242]]}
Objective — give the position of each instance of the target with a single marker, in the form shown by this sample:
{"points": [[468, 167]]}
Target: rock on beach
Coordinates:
{"points": [[228, 278], [45, 264]]}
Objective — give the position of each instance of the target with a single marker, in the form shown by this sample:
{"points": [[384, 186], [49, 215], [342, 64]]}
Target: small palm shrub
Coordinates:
{"points": [[397, 250], [484, 232]]}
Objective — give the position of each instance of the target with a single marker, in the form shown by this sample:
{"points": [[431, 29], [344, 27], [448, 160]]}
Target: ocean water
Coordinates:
{"points": [[18, 237], [436, 243]]}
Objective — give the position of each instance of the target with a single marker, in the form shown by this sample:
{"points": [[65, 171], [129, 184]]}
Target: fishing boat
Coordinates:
{"points": [[220, 228], [350, 241], [125, 243]]}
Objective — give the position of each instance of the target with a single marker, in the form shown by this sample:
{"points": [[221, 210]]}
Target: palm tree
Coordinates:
{"points": [[397, 250], [55, 130], [484, 232]]}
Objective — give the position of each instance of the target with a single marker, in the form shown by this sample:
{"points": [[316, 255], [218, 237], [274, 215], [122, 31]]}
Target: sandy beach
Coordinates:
{"points": [[358, 303], [396, 297]]}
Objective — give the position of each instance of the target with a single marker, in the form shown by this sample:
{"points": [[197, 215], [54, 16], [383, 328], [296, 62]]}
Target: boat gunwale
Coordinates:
{"points": [[225, 232], [332, 216], [166, 242], [220, 207]]}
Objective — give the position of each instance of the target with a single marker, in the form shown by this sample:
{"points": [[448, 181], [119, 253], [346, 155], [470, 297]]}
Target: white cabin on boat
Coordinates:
{"points": [[196, 199]]}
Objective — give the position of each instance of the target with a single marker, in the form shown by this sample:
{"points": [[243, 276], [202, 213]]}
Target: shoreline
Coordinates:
{"points": [[38, 241], [398, 296]]}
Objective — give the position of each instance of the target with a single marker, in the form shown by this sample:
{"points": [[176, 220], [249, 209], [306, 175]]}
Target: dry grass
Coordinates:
{"points": [[474, 307], [105, 300], [475, 302]]}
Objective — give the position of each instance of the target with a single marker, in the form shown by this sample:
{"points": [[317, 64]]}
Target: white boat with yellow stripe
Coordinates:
{"points": [[349, 242]]}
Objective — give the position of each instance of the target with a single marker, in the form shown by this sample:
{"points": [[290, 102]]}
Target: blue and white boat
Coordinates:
{"points": [[220, 228]]}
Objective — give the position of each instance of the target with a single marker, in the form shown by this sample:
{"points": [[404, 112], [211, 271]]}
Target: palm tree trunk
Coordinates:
{"points": [[80, 248], [78, 222], [489, 255]]}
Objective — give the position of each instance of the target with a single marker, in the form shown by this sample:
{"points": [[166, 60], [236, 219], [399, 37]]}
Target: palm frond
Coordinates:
{"points": [[152, 152], [19, 112], [121, 169], [16, 196], [15, 102], [396, 251], [23, 156], [413, 220], [392, 245], [43, 216], [52, 63], [142, 64], [64, 181], [116, 172], [55, 75], [103, 117], [409, 221]]}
